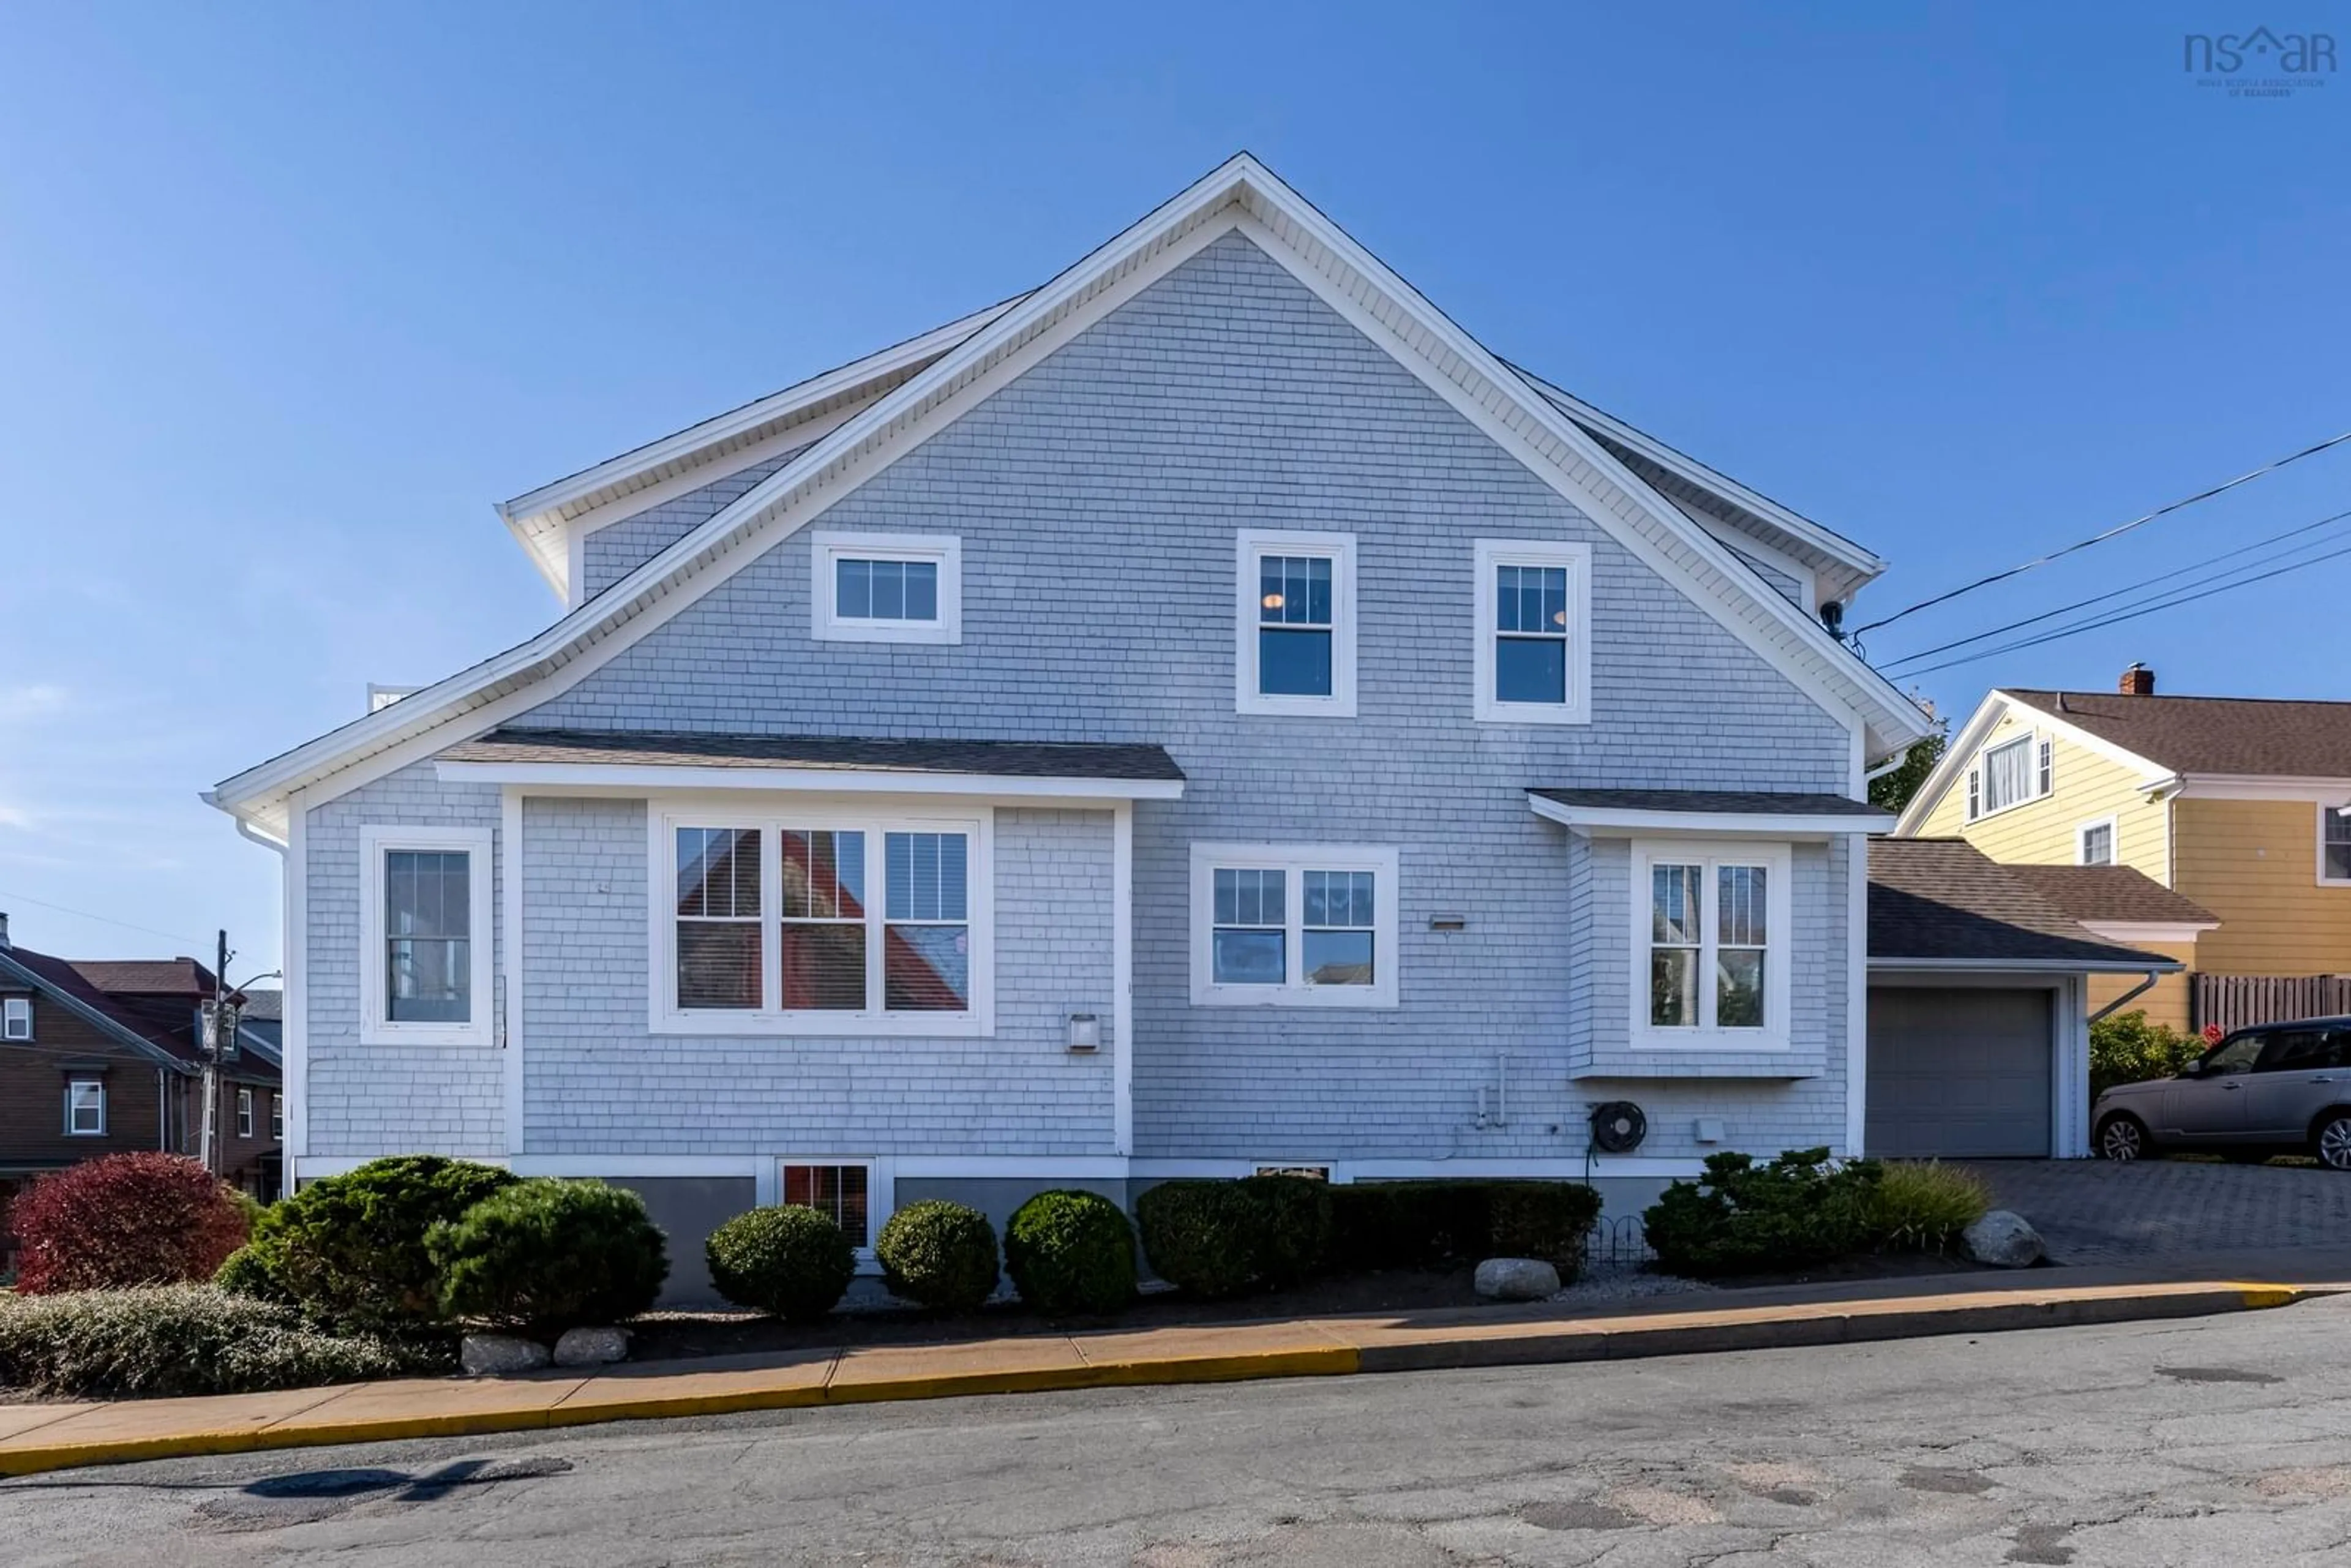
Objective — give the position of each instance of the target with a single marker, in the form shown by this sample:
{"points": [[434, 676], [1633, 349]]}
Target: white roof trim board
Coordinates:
{"points": [[1240, 193], [1960, 755]]}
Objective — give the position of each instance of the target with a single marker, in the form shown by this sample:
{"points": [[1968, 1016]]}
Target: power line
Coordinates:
{"points": [[2100, 539], [2126, 588], [101, 919], [2132, 614]]}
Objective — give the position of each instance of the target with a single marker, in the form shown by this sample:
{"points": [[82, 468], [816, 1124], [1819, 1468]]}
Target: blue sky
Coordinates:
{"points": [[290, 295]]}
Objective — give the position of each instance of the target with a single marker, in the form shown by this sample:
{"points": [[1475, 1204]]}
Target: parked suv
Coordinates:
{"points": [[2278, 1088]]}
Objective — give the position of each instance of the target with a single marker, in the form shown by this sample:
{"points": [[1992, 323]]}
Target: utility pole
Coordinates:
{"points": [[218, 1045]]}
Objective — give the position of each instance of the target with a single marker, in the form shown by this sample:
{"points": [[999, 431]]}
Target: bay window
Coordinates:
{"points": [[1293, 925], [1709, 944], [777, 927]]}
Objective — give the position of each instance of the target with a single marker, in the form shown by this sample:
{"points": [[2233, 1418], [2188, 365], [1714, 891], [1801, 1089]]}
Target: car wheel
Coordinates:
{"points": [[2123, 1137], [2333, 1144]]}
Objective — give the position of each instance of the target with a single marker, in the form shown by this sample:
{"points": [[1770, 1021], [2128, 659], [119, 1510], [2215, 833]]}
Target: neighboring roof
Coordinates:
{"points": [[132, 1027], [2233, 736], [2112, 894], [1003, 758], [146, 976], [262, 1007], [1945, 902], [1239, 195], [1714, 802]]}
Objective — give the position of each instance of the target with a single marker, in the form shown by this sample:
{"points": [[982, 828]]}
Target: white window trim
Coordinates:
{"points": [[1577, 559], [278, 1115], [1980, 773], [1291, 860], [2320, 865], [17, 1020], [880, 1196], [376, 841], [1253, 543], [97, 1132], [2081, 842], [244, 1112], [1779, 903], [828, 625], [668, 1017]]}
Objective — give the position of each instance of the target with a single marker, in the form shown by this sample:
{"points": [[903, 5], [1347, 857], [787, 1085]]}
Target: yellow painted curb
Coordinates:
{"points": [[1312, 1361]]}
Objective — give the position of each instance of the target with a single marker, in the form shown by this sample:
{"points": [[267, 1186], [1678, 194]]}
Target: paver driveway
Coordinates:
{"points": [[2096, 1211]]}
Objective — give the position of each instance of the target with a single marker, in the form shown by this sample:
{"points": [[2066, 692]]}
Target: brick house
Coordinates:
{"points": [[97, 1057]]}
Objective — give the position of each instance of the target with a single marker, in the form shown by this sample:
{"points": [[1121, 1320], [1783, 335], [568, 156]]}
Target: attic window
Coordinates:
{"points": [[16, 1018], [887, 588], [2010, 774]]}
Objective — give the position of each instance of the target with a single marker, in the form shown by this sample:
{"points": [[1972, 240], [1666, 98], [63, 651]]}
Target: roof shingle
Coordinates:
{"points": [[1007, 758], [2111, 893], [2242, 735], [1945, 899]]}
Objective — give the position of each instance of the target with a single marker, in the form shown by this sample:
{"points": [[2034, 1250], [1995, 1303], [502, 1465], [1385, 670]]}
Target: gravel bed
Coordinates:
{"points": [[1601, 1283]]}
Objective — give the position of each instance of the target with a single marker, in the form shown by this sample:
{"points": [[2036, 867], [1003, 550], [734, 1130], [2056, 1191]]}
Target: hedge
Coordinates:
{"points": [[1431, 1223], [1071, 1251], [546, 1255], [173, 1340], [128, 1219], [1220, 1238]]}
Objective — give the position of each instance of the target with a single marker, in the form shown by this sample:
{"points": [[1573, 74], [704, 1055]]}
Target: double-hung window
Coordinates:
{"points": [[2009, 774], [1293, 925], [2093, 842], [425, 937], [244, 1112], [86, 1107], [15, 1017], [887, 588], [1294, 650], [2335, 844], [1710, 944], [1533, 661], [822, 923], [278, 1116]]}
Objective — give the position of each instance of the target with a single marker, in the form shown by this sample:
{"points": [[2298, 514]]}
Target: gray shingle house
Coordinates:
{"points": [[1205, 714]]}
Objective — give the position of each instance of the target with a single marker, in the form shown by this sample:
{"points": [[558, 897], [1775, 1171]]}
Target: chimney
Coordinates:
{"points": [[2138, 681], [3, 931]]}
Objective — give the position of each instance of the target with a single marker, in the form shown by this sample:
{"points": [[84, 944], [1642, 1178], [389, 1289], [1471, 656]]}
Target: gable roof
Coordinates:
{"points": [[2231, 736], [137, 1030], [146, 976], [1239, 194], [2111, 894], [1944, 902]]}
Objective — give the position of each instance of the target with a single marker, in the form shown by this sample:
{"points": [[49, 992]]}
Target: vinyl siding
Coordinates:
{"points": [[2255, 864], [2088, 785]]}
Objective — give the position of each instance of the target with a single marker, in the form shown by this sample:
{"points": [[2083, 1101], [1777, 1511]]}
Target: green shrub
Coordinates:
{"points": [[350, 1249], [1205, 1237], [1923, 1207], [1433, 1224], [1071, 1251], [1742, 1218], [1218, 1239], [2127, 1049], [939, 1254], [246, 1272], [168, 1340], [787, 1260], [546, 1255]]}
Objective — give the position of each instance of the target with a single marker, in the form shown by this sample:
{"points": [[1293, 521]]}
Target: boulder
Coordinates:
{"points": [[592, 1347], [500, 1355], [2004, 1239], [1516, 1280]]}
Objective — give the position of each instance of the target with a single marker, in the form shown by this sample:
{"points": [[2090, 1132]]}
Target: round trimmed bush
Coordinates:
{"points": [[939, 1254], [1204, 1238], [246, 1272], [1071, 1251], [141, 1218], [546, 1255], [350, 1249], [787, 1260]]}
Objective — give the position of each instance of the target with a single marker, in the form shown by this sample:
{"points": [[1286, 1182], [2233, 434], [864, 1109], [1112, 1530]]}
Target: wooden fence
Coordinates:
{"points": [[2236, 1001]]}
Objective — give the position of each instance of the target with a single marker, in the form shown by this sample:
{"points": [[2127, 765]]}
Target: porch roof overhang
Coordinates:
{"points": [[1757, 813], [601, 762]]}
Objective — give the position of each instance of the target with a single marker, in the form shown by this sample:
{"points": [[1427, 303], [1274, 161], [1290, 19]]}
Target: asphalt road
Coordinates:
{"points": [[2222, 1441]]}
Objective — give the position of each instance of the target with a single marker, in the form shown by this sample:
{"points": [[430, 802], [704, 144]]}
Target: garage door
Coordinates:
{"points": [[1958, 1074]]}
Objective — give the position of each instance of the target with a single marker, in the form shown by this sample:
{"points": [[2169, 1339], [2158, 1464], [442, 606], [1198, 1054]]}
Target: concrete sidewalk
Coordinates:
{"points": [[35, 1437]]}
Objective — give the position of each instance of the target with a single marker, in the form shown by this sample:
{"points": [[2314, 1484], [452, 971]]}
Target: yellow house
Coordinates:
{"points": [[2239, 808]]}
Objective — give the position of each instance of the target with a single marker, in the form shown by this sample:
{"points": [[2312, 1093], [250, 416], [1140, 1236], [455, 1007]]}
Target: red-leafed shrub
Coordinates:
{"points": [[127, 1219]]}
